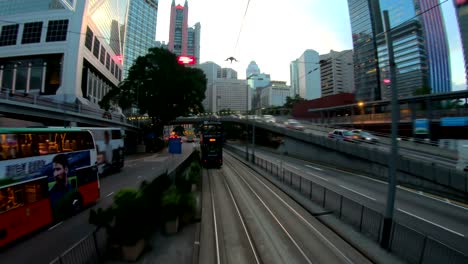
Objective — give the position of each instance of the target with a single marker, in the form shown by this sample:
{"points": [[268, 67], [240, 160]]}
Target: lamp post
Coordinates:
{"points": [[388, 217]]}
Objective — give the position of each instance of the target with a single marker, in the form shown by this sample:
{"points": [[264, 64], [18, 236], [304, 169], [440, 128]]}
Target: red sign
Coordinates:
{"points": [[186, 60]]}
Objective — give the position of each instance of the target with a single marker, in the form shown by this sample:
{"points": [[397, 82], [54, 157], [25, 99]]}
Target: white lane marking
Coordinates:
{"points": [[218, 260], [349, 189], [110, 194], [305, 221], [311, 174], [312, 167], [294, 167], [55, 226], [446, 201], [139, 177], [197, 242], [425, 220], [362, 176]]}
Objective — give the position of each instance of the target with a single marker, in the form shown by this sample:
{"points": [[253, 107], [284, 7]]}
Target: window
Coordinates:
{"points": [[97, 44], [112, 66], [32, 33], [107, 61], [57, 30], [9, 34], [103, 55], [89, 38]]}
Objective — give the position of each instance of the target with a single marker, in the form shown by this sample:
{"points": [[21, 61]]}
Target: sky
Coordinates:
{"points": [[274, 33]]}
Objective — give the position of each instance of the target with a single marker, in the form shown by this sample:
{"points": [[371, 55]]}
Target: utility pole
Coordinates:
{"points": [[393, 162]]}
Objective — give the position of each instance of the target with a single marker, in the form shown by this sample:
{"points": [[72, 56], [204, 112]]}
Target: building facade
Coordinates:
{"points": [[419, 42], [212, 72], [337, 72], [275, 94], [61, 49], [231, 94], [228, 73], [461, 7], [193, 42], [252, 69], [294, 76], [309, 75], [178, 29], [140, 32]]}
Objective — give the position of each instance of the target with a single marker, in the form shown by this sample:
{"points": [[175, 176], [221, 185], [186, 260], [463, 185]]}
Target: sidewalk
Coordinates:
{"points": [[162, 248]]}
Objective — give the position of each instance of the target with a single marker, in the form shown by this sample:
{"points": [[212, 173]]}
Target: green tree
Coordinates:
{"points": [[425, 89], [159, 87], [290, 101]]}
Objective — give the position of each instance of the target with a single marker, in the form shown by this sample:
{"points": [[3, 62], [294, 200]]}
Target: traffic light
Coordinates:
{"points": [[190, 60]]}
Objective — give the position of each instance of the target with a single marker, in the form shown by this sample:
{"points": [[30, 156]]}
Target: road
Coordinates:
{"points": [[246, 219], [438, 217], [46, 245]]}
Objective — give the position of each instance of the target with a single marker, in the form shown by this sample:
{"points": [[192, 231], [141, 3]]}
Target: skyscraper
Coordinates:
{"points": [[294, 75], [178, 30], [182, 39], [252, 69], [308, 70], [419, 43], [140, 30], [462, 15], [42, 51], [337, 72]]}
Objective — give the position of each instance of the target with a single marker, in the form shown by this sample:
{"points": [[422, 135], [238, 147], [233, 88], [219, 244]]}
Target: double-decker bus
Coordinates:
{"points": [[46, 175], [211, 143], [110, 148]]}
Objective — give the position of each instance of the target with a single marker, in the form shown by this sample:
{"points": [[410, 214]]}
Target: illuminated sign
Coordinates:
{"points": [[118, 58], [386, 81], [461, 2], [186, 60], [212, 139]]}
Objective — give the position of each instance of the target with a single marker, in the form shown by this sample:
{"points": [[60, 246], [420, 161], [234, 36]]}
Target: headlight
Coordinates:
{"points": [[368, 138]]}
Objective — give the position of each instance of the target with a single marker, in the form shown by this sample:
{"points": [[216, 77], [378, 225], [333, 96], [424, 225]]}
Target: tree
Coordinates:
{"points": [[159, 87], [291, 101], [425, 89]]}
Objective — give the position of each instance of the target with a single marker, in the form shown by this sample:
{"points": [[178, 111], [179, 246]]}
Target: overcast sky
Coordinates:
{"points": [[274, 33]]}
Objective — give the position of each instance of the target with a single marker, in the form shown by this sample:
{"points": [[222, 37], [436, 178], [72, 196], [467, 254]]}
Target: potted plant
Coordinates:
{"points": [[126, 223], [170, 204]]}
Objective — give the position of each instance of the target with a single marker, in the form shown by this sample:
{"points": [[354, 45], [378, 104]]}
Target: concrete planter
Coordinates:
{"points": [[131, 253], [171, 226]]}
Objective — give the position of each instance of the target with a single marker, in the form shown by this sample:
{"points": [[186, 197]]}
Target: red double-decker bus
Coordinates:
{"points": [[46, 175]]}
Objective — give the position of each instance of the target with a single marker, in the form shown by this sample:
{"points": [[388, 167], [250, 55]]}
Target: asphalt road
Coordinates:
{"points": [[438, 217], [47, 244]]}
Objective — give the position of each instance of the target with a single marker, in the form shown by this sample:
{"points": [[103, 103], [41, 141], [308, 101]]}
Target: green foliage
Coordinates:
{"points": [[291, 101], [171, 203], [425, 89], [194, 172], [160, 87]]}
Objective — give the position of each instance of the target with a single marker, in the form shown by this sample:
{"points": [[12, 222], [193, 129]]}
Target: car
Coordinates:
{"points": [[293, 124], [269, 119], [342, 134], [365, 136]]}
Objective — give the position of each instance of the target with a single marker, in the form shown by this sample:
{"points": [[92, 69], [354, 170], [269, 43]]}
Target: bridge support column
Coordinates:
{"points": [[1, 77], [44, 69], [13, 81], [28, 78]]}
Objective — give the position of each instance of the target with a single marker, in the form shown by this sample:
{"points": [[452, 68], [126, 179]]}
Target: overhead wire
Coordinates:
{"points": [[241, 26]]}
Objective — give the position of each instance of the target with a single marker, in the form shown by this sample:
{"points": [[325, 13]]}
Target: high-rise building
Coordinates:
{"points": [[193, 42], [43, 52], [294, 75], [178, 29], [275, 94], [337, 72], [419, 43], [228, 73], [462, 15], [140, 32], [182, 39], [252, 69], [308, 70]]}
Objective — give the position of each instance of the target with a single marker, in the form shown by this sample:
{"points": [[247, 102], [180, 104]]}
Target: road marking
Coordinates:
{"points": [[420, 218], [362, 176], [55, 226], [294, 167], [442, 200], [110, 194], [312, 167], [311, 174], [349, 189], [197, 242]]}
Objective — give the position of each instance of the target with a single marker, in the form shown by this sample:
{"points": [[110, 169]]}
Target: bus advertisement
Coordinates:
{"points": [[46, 175]]}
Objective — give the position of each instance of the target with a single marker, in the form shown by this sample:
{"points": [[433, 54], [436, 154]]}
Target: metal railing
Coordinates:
{"points": [[88, 250], [407, 243], [76, 107]]}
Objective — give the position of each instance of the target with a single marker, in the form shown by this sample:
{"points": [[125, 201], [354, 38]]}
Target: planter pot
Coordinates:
{"points": [[171, 226], [131, 253]]}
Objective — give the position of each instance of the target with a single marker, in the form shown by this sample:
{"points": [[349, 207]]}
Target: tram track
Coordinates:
{"points": [[257, 223]]}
